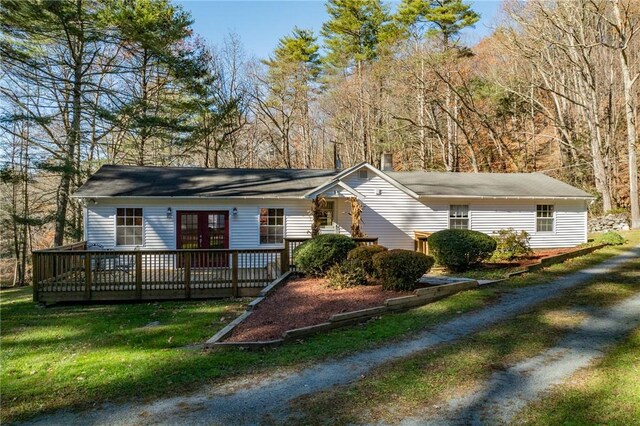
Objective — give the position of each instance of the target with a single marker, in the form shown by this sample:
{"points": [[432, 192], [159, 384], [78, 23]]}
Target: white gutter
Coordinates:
{"points": [[508, 197], [187, 197]]}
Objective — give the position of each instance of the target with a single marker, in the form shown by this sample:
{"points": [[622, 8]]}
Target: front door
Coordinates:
{"points": [[204, 230]]}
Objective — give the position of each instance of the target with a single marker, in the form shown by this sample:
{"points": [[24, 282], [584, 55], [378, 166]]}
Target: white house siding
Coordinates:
{"points": [[160, 231], [489, 216], [392, 215], [100, 225], [389, 214]]}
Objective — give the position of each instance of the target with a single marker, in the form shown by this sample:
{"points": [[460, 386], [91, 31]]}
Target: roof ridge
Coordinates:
{"points": [[217, 168]]}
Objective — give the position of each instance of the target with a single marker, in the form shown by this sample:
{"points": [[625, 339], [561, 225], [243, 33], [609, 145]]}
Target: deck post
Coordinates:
{"points": [[87, 276], [138, 274], [284, 257], [187, 274], [234, 273], [35, 274]]}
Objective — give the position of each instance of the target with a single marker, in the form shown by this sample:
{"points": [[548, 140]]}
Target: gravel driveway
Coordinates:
{"points": [[508, 391], [266, 400]]}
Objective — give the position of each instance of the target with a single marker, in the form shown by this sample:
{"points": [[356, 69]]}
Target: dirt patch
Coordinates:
{"points": [[303, 302]]}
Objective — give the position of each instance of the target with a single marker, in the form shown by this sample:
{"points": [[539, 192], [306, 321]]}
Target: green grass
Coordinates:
{"points": [[422, 382], [606, 393], [77, 356]]}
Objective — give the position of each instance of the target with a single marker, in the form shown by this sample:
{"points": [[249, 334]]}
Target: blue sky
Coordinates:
{"points": [[260, 23]]}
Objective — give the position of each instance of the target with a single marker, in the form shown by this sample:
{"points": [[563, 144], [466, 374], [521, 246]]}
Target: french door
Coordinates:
{"points": [[204, 230]]}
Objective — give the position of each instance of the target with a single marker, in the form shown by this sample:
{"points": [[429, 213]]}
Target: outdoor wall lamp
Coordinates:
{"points": [[169, 213], [235, 211]]}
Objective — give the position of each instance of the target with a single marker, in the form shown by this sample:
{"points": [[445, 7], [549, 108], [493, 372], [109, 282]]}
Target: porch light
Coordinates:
{"points": [[169, 213], [235, 211]]}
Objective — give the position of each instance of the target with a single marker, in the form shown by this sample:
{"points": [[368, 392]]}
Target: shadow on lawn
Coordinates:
{"points": [[418, 385], [75, 356]]}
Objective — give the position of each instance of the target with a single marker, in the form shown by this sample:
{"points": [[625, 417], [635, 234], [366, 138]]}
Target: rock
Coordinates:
{"points": [[610, 222], [152, 324]]}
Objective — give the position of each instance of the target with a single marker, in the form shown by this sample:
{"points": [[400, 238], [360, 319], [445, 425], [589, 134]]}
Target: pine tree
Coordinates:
{"points": [[355, 31], [292, 74], [166, 73], [49, 47], [356, 35], [443, 18]]}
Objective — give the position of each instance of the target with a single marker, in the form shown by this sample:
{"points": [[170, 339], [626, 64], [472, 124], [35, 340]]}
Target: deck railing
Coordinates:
{"points": [[77, 275]]}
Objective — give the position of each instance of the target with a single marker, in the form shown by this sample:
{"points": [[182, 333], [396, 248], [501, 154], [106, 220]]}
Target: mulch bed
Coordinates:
{"points": [[529, 260], [303, 302]]}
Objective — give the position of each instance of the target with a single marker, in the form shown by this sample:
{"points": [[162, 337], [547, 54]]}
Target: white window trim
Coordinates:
{"points": [[535, 216], [468, 216], [115, 230], [284, 227]]}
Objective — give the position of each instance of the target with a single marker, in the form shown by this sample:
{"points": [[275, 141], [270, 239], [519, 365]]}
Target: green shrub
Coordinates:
{"points": [[400, 269], [459, 249], [316, 256], [511, 244], [609, 238], [346, 274], [363, 257]]}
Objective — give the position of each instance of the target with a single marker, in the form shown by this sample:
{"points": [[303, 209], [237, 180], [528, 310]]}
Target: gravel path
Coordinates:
{"points": [[241, 403], [508, 391]]}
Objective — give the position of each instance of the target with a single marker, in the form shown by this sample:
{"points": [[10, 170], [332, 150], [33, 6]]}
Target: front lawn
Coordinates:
{"points": [[78, 356], [422, 384], [605, 393]]}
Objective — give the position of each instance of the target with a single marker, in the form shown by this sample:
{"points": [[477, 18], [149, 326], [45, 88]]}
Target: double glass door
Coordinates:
{"points": [[204, 230]]}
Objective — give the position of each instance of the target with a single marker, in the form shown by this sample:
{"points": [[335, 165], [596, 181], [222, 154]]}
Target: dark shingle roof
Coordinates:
{"points": [[137, 181], [528, 185]]}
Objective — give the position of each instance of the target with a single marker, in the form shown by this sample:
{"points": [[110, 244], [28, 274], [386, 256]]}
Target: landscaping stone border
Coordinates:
{"points": [[420, 297]]}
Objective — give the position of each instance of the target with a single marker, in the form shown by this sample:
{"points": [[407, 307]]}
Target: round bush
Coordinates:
{"points": [[316, 256], [511, 244], [363, 257], [346, 274], [400, 269], [459, 249], [609, 238]]}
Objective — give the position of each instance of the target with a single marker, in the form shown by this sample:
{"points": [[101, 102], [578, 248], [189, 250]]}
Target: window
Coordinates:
{"points": [[458, 217], [129, 227], [544, 218], [363, 174], [271, 226], [327, 214]]}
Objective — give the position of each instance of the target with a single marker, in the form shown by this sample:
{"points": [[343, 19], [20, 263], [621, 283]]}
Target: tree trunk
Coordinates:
{"points": [[73, 137], [630, 113]]}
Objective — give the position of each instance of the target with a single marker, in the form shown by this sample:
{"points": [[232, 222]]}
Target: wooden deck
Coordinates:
{"points": [[73, 273]]}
